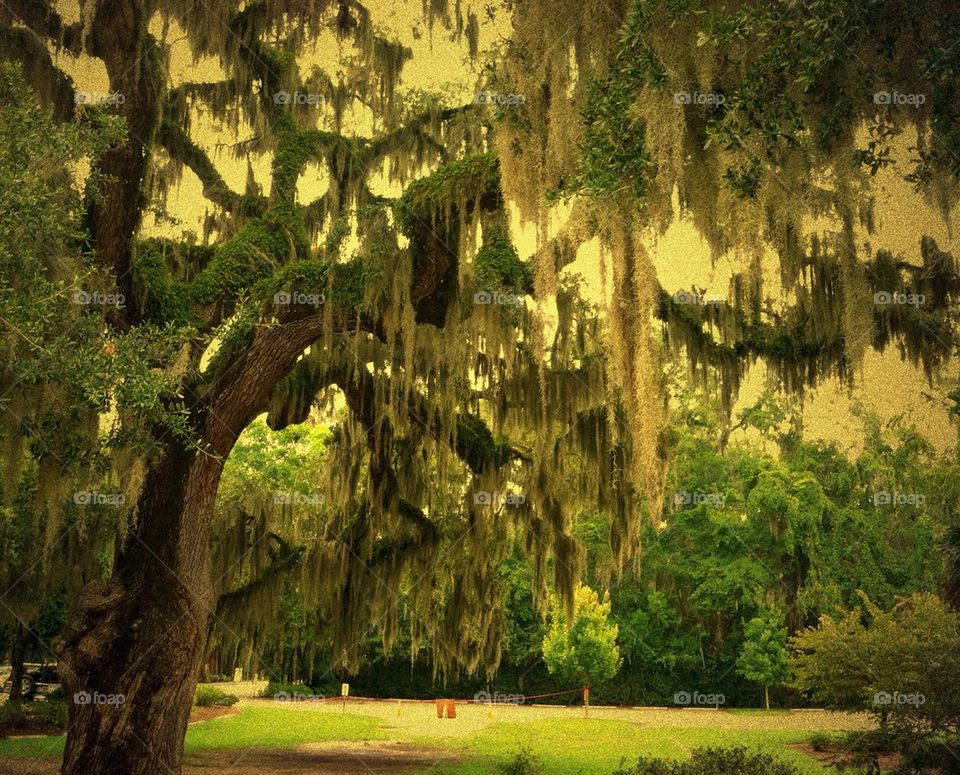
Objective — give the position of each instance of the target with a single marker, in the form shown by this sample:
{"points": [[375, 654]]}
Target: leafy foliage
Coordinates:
{"points": [[764, 657], [584, 648], [713, 761], [207, 696], [899, 665]]}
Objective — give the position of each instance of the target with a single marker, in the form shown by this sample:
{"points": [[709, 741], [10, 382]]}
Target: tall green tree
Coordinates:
{"points": [[582, 648], [764, 657]]}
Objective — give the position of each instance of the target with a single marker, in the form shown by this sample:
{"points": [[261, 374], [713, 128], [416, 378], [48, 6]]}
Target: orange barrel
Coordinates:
{"points": [[440, 704], [451, 709]]}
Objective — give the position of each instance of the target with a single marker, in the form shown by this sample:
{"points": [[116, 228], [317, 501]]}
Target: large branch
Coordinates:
{"points": [[289, 557], [134, 63], [183, 150], [41, 19], [52, 86]]}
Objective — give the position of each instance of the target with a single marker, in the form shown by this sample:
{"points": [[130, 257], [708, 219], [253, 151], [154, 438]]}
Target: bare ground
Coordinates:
{"points": [[360, 759]]}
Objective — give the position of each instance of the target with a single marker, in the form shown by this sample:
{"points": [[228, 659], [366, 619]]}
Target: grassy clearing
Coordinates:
{"points": [[261, 727], [567, 746], [597, 747], [280, 728]]}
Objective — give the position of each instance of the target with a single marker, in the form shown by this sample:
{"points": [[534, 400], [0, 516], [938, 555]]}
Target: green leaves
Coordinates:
{"points": [[583, 651], [764, 657], [900, 665]]}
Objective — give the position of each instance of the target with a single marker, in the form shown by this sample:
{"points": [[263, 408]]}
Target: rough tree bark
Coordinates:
{"points": [[142, 634], [18, 653]]}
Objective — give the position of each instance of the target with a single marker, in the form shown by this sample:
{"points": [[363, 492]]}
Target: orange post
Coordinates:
{"points": [[451, 709], [440, 704]]}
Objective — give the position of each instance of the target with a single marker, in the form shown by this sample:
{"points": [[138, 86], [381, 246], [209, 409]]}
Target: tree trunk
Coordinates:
{"points": [[766, 696], [18, 655], [132, 653]]}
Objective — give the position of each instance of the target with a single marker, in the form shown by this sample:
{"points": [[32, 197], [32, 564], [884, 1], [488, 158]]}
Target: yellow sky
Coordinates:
{"points": [[682, 258]]}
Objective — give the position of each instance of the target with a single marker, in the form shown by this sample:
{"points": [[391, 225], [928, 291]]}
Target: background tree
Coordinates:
{"points": [[764, 657], [582, 649]]}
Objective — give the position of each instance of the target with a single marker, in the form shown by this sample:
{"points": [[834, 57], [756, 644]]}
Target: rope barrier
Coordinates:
{"points": [[472, 700]]}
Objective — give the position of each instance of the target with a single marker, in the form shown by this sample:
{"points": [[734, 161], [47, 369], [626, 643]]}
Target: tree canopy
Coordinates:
{"points": [[360, 266]]}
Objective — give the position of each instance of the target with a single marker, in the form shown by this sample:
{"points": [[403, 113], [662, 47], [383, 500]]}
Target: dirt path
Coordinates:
{"points": [[339, 759]]}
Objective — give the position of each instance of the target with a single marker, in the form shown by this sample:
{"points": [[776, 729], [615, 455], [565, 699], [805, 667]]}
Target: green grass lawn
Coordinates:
{"points": [[597, 747], [260, 727], [566, 746]]}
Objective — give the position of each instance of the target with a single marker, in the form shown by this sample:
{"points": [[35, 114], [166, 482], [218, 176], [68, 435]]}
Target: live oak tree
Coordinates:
{"points": [[366, 302], [274, 312]]}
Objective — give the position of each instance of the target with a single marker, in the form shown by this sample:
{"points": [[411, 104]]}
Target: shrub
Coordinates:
{"points": [[713, 761], [212, 695], [49, 713], [524, 763], [931, 754], [820, 741], [30, 716], [899, 665], [919, 753]]}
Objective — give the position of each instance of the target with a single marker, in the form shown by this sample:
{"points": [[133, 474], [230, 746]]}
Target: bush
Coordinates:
{"points": [[713, 761], [931, 754], [217, 678], [919, 753], [524, 763], [212, 695], [32, 716], [820, 741], [49, 713], [898, 665]]}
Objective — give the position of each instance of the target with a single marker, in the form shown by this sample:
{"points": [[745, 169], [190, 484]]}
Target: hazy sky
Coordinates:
{"points": [[885, 384]]}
